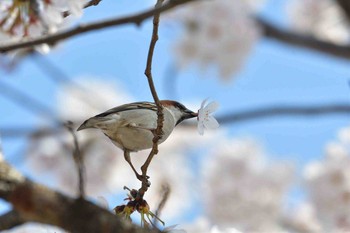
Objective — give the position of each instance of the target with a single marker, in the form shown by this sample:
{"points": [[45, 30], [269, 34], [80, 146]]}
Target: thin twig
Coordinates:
{"points": [[26, 131], [56, 74], [284, 110], [148, 72], [54, 38], [165, 193], [52, 71], [88, 4], [79, 162], [25, 100], [1, 153], [170, 81]]}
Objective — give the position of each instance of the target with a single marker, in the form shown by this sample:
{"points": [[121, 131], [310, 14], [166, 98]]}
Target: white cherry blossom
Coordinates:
{"points": [[328, 184], [33, 18], [205, 119]]}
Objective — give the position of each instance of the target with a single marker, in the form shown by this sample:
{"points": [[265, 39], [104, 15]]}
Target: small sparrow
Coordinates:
{"points": [[131, 126]]}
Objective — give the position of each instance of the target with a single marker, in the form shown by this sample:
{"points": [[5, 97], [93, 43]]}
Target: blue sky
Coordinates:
{"points": [[275, 73]]}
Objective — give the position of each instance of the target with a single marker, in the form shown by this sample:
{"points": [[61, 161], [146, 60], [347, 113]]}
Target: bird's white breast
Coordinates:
{"points": [[132, 129]]}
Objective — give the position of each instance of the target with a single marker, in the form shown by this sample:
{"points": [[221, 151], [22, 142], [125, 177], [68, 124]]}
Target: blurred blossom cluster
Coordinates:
{"points": [[202, 225], [242, 190], [328, 184], [219, 33], [33, 18], [324, 19]]}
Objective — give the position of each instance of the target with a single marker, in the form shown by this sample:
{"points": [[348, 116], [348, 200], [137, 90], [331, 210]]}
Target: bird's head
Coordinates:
{"points": [[179, 111]]}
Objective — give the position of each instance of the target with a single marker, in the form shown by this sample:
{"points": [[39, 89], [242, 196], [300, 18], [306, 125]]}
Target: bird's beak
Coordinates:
{"points": [[190, 114]]}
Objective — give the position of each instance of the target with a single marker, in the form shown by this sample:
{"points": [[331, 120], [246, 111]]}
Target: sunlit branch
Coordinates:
{"points": [[37, 203]]}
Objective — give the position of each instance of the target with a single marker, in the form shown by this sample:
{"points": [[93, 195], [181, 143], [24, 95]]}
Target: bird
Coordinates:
{"points": [[131, 126]]}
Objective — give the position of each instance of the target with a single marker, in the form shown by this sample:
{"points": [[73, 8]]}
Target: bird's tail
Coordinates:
{"points": [[94, 122], [85, 125]]}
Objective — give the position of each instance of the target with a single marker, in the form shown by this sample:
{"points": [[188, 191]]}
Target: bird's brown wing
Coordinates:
{"points": [[127, 107]]}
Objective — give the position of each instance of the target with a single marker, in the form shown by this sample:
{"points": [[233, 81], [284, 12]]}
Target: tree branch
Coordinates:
{"points": [[79, 161], [88, 4], [54, 38], [165, 193], [37, 203], [25, 101], [160, 116], [284, 110], [303, 41], [10, 219]]}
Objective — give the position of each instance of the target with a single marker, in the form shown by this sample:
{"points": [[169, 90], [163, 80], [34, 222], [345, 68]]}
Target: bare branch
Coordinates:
{"points": [[10, 219], [148, 72], [79, 161], [165, 193], [24, 131], [303, 41], [284, 110], [54, 38], [25, 101], [1, 153], [37, 203], [90, 3]]}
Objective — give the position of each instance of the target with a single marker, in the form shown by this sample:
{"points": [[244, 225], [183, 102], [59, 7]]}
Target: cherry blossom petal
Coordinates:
{"points": [[205, 120], [212, 107], [211, 123], [200, 128]]}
